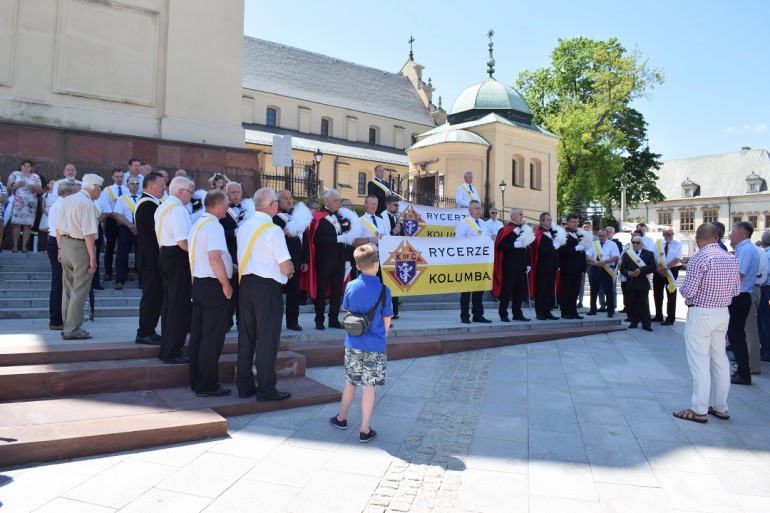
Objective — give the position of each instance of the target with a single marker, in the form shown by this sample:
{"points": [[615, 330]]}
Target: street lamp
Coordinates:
{"points": [[503, 185], [317, 156]]}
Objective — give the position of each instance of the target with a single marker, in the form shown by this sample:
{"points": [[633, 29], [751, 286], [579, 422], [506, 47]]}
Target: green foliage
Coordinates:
{"points": [[584, 97]]}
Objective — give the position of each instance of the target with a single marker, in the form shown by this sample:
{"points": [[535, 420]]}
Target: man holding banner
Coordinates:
{"points": [[668, 258], [472, 226], [601, 256]]}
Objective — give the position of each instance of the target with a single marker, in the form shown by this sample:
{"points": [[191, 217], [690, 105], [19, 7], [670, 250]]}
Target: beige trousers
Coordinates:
{"points": [[704, 339], [76, 282]]}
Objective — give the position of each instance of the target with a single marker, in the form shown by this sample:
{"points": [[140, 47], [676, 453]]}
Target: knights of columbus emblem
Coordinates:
{"points": [[405, 266], [412, 221]]}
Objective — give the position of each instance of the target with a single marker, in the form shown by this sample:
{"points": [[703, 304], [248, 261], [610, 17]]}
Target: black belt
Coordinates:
{"points": [[73, 238]]}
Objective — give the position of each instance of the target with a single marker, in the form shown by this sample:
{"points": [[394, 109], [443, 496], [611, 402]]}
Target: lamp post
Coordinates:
{"points": [[317, 156], [623, 189], [503, 185]]}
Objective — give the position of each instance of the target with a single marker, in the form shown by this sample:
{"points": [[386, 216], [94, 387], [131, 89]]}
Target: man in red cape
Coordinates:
{"points": [[511, 262], [544, 262]]}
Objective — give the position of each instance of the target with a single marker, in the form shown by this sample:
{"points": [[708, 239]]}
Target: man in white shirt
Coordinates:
{"points": [[472, 226], [647, 242], [466, 192], [56, 321], [70, 175], [123, 213], [172, 224], [264, 265], [494, 224], [601, 257], [668, 259], [374, 226], [212, 268], [113, 193], [135, 170]]}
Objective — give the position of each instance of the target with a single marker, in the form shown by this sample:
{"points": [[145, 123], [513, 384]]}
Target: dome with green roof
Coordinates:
{"points": [[490, 96]]}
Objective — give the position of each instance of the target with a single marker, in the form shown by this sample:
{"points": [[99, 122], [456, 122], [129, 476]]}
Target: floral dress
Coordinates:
{"points": [[25, 201]]}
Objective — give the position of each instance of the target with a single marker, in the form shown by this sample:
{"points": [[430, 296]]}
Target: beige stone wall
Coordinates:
{"points": [[149, 68], [450, 161], [306, 116]]}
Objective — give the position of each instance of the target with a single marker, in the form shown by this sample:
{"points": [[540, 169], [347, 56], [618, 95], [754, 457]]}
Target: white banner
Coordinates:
{"points": [[425, 221]]}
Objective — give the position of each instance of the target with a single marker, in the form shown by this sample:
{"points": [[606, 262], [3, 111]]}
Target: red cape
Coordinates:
{"points": [[497, 276], [311, 272]]}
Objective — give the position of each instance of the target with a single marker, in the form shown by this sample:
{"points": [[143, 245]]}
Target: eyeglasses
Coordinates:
{"points": [[133, 183], [188, 190], [637, 242]]}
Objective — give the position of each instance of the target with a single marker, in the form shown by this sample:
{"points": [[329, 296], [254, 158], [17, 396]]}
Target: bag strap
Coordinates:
{"points": [[381, 299]]}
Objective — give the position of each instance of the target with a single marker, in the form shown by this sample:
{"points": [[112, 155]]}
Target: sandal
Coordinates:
{"points": [[14, 250], [691, 415], [722, 415]]}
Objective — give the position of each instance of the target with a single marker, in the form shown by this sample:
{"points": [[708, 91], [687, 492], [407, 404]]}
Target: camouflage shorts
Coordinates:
{"points": [[365, 367]]}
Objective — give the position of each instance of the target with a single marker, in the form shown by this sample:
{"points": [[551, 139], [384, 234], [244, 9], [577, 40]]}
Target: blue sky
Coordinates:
{"points": [[713, 54]]}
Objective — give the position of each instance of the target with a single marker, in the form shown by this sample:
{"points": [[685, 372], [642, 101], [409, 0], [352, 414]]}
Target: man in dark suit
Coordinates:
{"points": [[635, 265], [544, 258], [378, 187], [511, 264], [147, 253], [233, 218], [573, 265], [300, 257]]}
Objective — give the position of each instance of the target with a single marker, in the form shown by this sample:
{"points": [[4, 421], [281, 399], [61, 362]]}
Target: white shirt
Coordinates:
{"points": [[116, 191], [609, 250], [55, 191], [102, 204], [210, 237], [463, 229], [494, 226], [53, 214], [462, 198], [122, 206], [381, 226], [649, 245], [268, 251], [176, 222], [674, 251]]}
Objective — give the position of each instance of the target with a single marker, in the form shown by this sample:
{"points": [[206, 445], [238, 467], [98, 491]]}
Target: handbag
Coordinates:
{"points": [[357, 324]]}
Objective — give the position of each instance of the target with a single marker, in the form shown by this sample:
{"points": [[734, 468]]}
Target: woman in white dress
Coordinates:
{"points": [[25, 186]]}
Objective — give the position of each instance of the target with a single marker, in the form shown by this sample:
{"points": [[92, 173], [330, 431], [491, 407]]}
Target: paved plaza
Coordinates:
{"points": [[576, 425]]}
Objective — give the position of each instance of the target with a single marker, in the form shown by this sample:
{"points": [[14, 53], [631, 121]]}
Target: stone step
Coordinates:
{"points": [[100, 311], [8, 294], [33, 268], [56, 429], [126, 301], [77, 378], [45, 284]]}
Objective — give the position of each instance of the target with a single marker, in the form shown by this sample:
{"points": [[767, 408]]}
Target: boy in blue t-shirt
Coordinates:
{"points": [[365, 357]]}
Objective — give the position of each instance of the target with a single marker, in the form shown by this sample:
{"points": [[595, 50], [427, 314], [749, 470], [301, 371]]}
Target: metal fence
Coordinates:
{"points": [[426, 198], [301, 179]]}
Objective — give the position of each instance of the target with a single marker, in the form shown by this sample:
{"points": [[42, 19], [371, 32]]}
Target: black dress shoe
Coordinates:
{"points": [[737, 379], [244, 395], [465, 321], [504, 318], [395, 316], [610, 315], [602, 310], [626, 320], [667, 323], [319, 326], [294, 327], [275, 395], [633, 325], [336, 324], [147, 341], [155, 337], [107, 277], [99, 287], [481, 319], [541, 318], [576, 317], [622, 311], [177, 361], [657, 319], [551, 317], [219, 392], [591, 312], [520, 318], [647, 328]]}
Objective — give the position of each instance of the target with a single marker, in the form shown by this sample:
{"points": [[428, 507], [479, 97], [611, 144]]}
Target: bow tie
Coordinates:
{"points": [[235, 206]]}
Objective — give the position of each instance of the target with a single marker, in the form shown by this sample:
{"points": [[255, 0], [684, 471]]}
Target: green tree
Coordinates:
{"points": [[584, 98]]}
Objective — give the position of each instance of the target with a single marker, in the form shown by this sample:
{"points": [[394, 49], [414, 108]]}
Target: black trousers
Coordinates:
{"points": [[625, 297], [111, 234], [736, 332], [54, 301], [259, 332], [151, 303], [638, 306], [570, 289], [177, 308], [207, 333], [659, 284], [466, 298], [292, 300], [599, 279], [126, 241], [544, 281], [332, 273], [234, 305], [96, 280], [514, 289]]}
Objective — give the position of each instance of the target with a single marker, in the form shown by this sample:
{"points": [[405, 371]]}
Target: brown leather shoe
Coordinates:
{"points": [[737, 379], [56, 327]]}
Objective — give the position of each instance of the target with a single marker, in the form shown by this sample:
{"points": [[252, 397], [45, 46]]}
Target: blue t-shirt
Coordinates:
{"points": [[360, 296]]}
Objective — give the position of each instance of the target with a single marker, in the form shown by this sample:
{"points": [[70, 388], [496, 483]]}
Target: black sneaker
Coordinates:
{"points": [[339, 424], [367, 437]]}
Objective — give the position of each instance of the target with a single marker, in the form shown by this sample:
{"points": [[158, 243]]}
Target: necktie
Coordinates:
{"points": [[374, 220], [133, 197], [120, 191], [471, 188], [477, 223], [665, 250]]}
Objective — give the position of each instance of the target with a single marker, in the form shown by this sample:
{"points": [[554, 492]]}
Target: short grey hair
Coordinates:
{"points": [[178, 183], [233, 184], [91, 181], [264, 197], [766, 237], [609, 229], [517, 210], [331, 193], [468, 173], [66, 187]]}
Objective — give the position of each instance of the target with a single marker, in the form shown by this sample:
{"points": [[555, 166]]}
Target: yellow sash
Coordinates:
{"points": [[598, 249], [378, 184], [467, 191], [166, 209], [112, 194], [247, 254], [192, 244], [473, 224], [130, 203], [669, 275], [369, 226], [635, 258], [144, 200]]}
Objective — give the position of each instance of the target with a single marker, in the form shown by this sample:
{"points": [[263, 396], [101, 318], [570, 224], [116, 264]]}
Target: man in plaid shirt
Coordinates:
{"points": [[711, 283]]}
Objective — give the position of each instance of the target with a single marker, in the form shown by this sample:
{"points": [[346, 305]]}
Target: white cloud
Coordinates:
{"points": [[729, 130], [760, 128]]}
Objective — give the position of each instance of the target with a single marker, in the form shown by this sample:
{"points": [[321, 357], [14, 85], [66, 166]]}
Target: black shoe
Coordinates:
{"points": [[657, 319], [602, 310], [219, 392], [591, 312], [647, 328], [465, 321], [737, 379], [367, 437], [245, 395], [178, 360], [320, 326], [275, 395], [576, 317], [147, 341], [627, 319], [667, 323], [107, 277], [504, 318], [294, 327], [520, 318], [395, 316], [729, 348], [541, 318], [551, 317], [98, 286], [481, 319], [155, 337], [622, 311], [610, 315], [633, 325], [336, 324]]}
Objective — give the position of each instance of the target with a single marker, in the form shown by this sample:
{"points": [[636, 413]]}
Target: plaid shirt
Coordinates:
{"points": [[712, 278]]}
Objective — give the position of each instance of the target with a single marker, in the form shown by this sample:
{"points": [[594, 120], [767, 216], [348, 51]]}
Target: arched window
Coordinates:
{"points": [[326, 127], [535, 175], [271, 116], [362, 184], [517, 171]]}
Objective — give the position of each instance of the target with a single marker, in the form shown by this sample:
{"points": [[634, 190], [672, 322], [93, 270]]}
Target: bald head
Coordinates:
{"points": [[706, 233]]}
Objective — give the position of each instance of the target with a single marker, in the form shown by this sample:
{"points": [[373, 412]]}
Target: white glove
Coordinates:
{"points": [[517, 244], [529, 268], [580, 248], [556, 245], [341, 239]]}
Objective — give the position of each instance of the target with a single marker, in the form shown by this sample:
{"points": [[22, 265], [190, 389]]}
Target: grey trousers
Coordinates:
{"points": [[76, 282]]}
